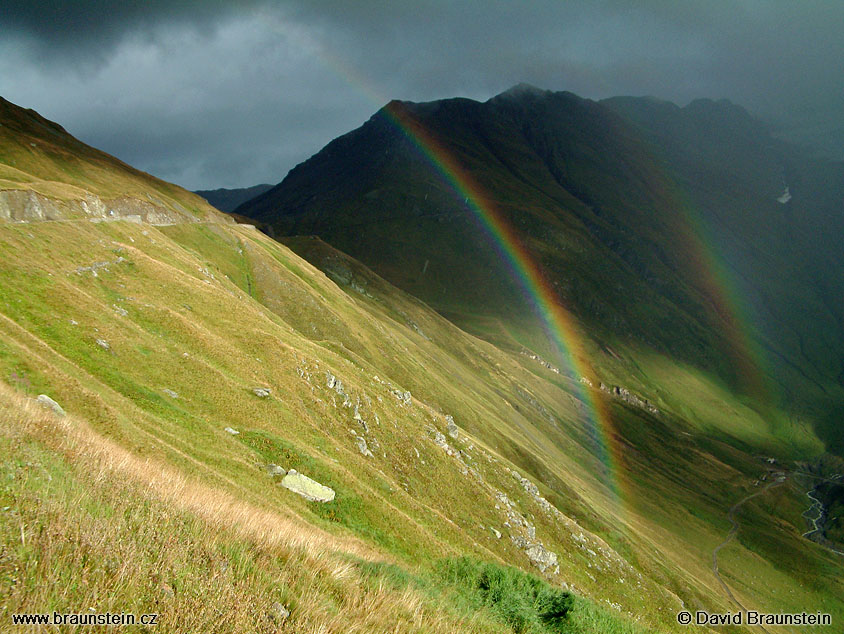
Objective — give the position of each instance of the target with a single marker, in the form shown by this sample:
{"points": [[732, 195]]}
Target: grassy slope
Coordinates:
{"points": [[678, 470], [211, 311], [224, 334], [38, 155]]}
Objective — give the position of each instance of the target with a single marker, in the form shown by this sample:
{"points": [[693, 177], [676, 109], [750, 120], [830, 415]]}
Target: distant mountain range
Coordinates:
{"points": [[661, 228], [228, 200]]}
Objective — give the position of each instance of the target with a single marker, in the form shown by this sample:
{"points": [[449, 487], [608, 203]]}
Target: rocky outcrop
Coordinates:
{"points": [[404, 397], [21, 205], [533, 490], [623, 394], [333, 383], [440, 441], [360, 441], [541, 361], [261, 392], [523, 536], [98, 266], [28, 206], [306, 487], [539, 556], [534, 403], [279, 613], [451, 427]]}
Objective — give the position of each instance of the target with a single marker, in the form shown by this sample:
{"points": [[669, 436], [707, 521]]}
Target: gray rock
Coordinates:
{"points": [[361, 443], [278, 612], [404, 397], [261, 392], [102, 343], [46, 401], [275, 470], [231, 431], [627, 396], [529, 486], [440, 441], [451, 427], [170, 393], [539, 556], [496, 533], [306, 487]]}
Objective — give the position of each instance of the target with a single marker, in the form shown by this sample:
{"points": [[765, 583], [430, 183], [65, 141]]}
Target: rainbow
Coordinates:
{"points": [[720, 290], [556, 320], [713, 274]]}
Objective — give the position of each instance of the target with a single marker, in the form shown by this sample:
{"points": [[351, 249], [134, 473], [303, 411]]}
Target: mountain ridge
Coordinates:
{"points": [[604, 193], [47, 170], [227, 200]]}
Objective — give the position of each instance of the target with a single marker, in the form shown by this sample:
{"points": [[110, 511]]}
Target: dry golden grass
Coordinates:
{"points": [[117, 533], [72, 438]]}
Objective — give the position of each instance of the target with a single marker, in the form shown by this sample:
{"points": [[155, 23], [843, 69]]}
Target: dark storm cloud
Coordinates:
{"points": [[220, 93], [91, 26]]}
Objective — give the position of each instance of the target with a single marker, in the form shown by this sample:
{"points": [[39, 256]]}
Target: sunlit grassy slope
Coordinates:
{"points": [[38, 156], [211, 311], [153, 339]]}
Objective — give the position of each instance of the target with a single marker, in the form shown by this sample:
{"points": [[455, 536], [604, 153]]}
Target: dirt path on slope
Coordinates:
{"points": [[731, 515]]}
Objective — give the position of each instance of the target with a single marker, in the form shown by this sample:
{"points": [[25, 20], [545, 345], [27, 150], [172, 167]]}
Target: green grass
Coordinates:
{"points": [[413, 509], [214, 310], [524, 602]]}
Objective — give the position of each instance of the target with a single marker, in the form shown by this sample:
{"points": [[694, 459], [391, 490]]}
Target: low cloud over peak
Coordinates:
{"points": [[227, 94]]}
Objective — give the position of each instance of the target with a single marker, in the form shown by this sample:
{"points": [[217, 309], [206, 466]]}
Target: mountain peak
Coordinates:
{"points": [[523, 89]]}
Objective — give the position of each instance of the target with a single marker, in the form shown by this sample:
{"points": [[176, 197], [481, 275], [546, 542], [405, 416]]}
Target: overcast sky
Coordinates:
{"points": [[209, 93]]}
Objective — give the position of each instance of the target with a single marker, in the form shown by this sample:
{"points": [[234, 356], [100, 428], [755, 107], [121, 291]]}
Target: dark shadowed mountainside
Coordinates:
{"points": [[688, 232], [230, 199]]}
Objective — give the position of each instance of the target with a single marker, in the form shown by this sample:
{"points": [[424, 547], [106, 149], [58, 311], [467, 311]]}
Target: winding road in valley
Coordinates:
{"points": [[817, 506], [731, 515]]}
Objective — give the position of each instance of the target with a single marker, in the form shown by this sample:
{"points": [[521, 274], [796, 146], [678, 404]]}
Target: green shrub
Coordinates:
{"points": [[524, 602]]}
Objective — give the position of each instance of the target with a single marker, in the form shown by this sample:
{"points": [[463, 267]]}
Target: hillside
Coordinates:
{"points": [[228, 200], [476, 489], [657, 227], [46, 174]]}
